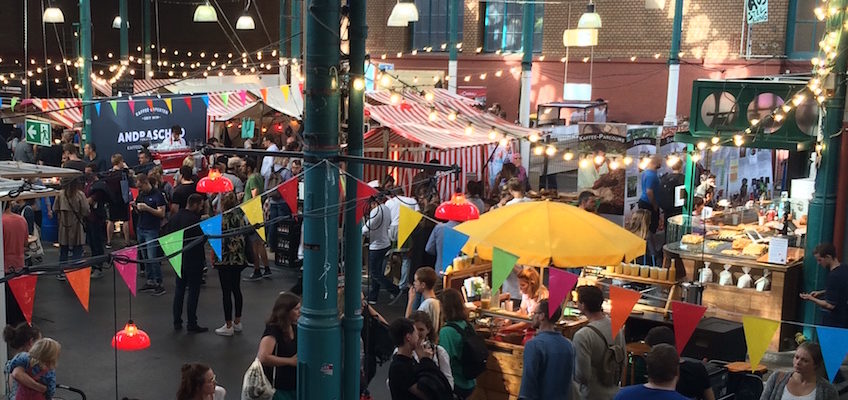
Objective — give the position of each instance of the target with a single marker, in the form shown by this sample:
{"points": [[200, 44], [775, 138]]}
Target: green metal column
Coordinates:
{"points": [[453, 31], [674, 66], [85, 54], [352, 234], [284, 38], [125, 45], [528, 23], [689, 184], [147, 39], [319, 342], [823, 206], [296, 34]]}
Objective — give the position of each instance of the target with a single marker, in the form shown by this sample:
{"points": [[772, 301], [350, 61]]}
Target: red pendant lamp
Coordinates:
{"points": [[457, 209], [131, 338], [214, 182]]}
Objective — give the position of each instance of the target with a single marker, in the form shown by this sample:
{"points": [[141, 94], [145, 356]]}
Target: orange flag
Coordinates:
{"points": [[622, 301], [23, 288], [264, 92], [80, 281], [150, 104]]}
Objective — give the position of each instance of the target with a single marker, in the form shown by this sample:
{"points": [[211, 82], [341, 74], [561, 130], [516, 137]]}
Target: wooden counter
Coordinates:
{"points": [[731, 303]]}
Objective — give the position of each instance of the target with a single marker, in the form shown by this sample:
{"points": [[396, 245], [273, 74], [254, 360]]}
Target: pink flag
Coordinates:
{"points": [[561, 283], [242, 96], [127, 268]]}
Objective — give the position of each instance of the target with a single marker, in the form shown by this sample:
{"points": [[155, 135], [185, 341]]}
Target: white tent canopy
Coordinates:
{"points": [[290, 103]]}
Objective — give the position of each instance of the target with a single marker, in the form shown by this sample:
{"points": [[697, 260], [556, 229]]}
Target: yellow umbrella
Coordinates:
{"points": [[542, 233]]}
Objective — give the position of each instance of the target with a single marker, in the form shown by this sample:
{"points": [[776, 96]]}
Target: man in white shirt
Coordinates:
{"points": [[395, 202], [377, 228], [176, 140], [268, 162]]}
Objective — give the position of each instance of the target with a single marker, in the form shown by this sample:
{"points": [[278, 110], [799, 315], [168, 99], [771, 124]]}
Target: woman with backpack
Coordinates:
{"points": [[72, 208], [451, 338]]}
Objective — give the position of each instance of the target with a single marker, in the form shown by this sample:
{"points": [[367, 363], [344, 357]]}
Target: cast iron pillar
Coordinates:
{"points": [[528, 23], [674, 66], [85, 55], [147, 39], [125, 45], [453, 28]]}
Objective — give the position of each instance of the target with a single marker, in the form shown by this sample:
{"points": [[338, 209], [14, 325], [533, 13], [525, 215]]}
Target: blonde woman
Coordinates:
{"points": [[35, 371], [532, 292], [639, 225]]}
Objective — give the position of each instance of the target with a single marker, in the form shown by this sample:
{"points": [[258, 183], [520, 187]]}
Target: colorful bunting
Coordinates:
{"points": [[23, 288], [407, 222], [834, 346], [205, 99], [212, 227], [686, 318], [363, 194], [80, 281], [264, 93], [114, 105], [132, 106], [44, 105], [622, 302], [169, 104], [187, 100], [97, 108], [560, 284], [452, 242], [253, 210], [286, 92], [242, 96], [502, 262], [172, 245], [758, 334], [225, 98], [128, 269], [15, 101], [288, 191], [150, 104]]}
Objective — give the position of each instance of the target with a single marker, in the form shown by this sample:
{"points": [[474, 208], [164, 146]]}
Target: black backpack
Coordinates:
{"points": [[668, 182], [475, 354], [432, 382]]}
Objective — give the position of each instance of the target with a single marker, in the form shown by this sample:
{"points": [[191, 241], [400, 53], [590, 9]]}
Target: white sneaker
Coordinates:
{"points": [[237, 327], [224, 331]]}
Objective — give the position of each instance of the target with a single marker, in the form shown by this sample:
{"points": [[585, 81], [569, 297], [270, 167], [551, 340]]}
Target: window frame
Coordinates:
{"points": [[437, 47], [538, 36], [791, 24]]}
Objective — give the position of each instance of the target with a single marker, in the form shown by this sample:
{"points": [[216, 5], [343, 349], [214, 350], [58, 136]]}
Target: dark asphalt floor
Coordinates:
{"points": [[88, 361]]}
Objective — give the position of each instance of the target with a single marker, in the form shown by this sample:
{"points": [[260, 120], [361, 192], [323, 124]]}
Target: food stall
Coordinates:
{"points": [[553, 235]]}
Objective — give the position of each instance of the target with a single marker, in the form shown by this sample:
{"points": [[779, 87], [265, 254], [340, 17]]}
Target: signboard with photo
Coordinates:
{"points": [[641, 143], [601, 148]]}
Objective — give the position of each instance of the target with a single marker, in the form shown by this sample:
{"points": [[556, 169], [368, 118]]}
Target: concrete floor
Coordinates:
{"points": [[88, 361]]}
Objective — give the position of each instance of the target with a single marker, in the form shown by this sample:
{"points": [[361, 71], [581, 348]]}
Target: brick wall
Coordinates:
{"points": [[712, 29]]}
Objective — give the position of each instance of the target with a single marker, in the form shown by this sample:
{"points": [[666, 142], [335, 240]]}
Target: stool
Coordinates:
{"points": [[634, 349]]}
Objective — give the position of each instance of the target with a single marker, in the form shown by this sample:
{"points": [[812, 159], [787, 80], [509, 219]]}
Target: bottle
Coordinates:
{"points": [[672, 272]]}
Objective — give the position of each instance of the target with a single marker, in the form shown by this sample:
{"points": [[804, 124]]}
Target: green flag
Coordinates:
{"points": [[502, 265], [172, 245], [225, 98], [14, 102], [114, 105]]}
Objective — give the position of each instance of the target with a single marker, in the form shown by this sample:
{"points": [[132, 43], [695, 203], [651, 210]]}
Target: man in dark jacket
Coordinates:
{"points": [[192, 265]]}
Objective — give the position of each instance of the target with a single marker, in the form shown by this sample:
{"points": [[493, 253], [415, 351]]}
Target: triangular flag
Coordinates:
{"points": [[205, 99], [560, 284], [212, 227], [187, 100], [97, 108], [758, 334], [80, 281], [242, 96], [172, 245], [128, 269], [264, 93], [43, 105], [686, 318], [288, 191], [286, 92], [170, 105], [150, 104], [225, 98], [15, 101], [253, 210], [834, 346], [300, 87], [132, 106], [452, 242], [407, 222], [622, 302], [114, 105], [23, 288], [363, 194], [502, 262]]}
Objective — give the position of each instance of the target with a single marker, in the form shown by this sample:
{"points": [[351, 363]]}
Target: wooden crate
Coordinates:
{"points": [[502, 378]]}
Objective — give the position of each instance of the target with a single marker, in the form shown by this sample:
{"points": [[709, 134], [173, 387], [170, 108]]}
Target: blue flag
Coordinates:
{"points": [[205, 99], [834, 346], [97, 107], [452, 243], [212, 227]]}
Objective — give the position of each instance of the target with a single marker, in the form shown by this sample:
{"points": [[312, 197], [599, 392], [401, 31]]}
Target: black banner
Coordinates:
{"points": [[123, 131]]}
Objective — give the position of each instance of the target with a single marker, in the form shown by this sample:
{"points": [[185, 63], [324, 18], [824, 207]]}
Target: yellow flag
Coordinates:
{"points": [[407, 223], [286, 92], [758, 334], [168, 103], [253, 210]]}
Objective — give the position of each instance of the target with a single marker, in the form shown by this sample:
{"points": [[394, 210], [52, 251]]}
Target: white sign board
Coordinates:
{"points": [[778, 248]]}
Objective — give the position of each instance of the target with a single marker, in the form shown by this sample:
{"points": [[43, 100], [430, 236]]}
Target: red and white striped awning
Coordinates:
{"points": [[383, 97], [219, 111], [105, 88], [151, 86], [65, 112]]}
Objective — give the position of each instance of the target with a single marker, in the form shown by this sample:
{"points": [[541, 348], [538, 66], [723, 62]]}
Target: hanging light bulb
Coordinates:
{"points": [[702, 145], [672, 160], [205, 13], [778, 117], [386, 80], [798, 99], [504, 141], [628, 160], [533, 138], [590, 19], [429, 96], [53, 15], [550, 151], [695, 157], [584, 162], [359, 84], [433, 114], [469, 129], [738, 140], [786, 108], [599, 159], [245, 23], [452, 116], [614, 164], [754, 122], [715, 140], [394, 99], [714, 148], [493, 133], [539, 150]]}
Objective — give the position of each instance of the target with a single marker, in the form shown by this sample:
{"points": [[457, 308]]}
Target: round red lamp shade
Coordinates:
{"points": [[457, 209], [214, 183], [131, 338]]}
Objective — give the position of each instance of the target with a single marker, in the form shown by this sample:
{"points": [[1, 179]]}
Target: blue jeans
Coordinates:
{"points": [[149, 252], [275, 210], [377, 269]]}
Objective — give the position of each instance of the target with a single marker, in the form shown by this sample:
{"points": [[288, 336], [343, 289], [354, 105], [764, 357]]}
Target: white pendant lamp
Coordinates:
{"points": [[395, 20], [116, 23], [590, 19], [53, 15], [245, 23], [402, 14], [205, 13]]}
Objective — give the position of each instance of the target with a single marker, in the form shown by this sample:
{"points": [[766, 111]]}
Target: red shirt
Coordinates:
{"points": [[15, 235]]}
